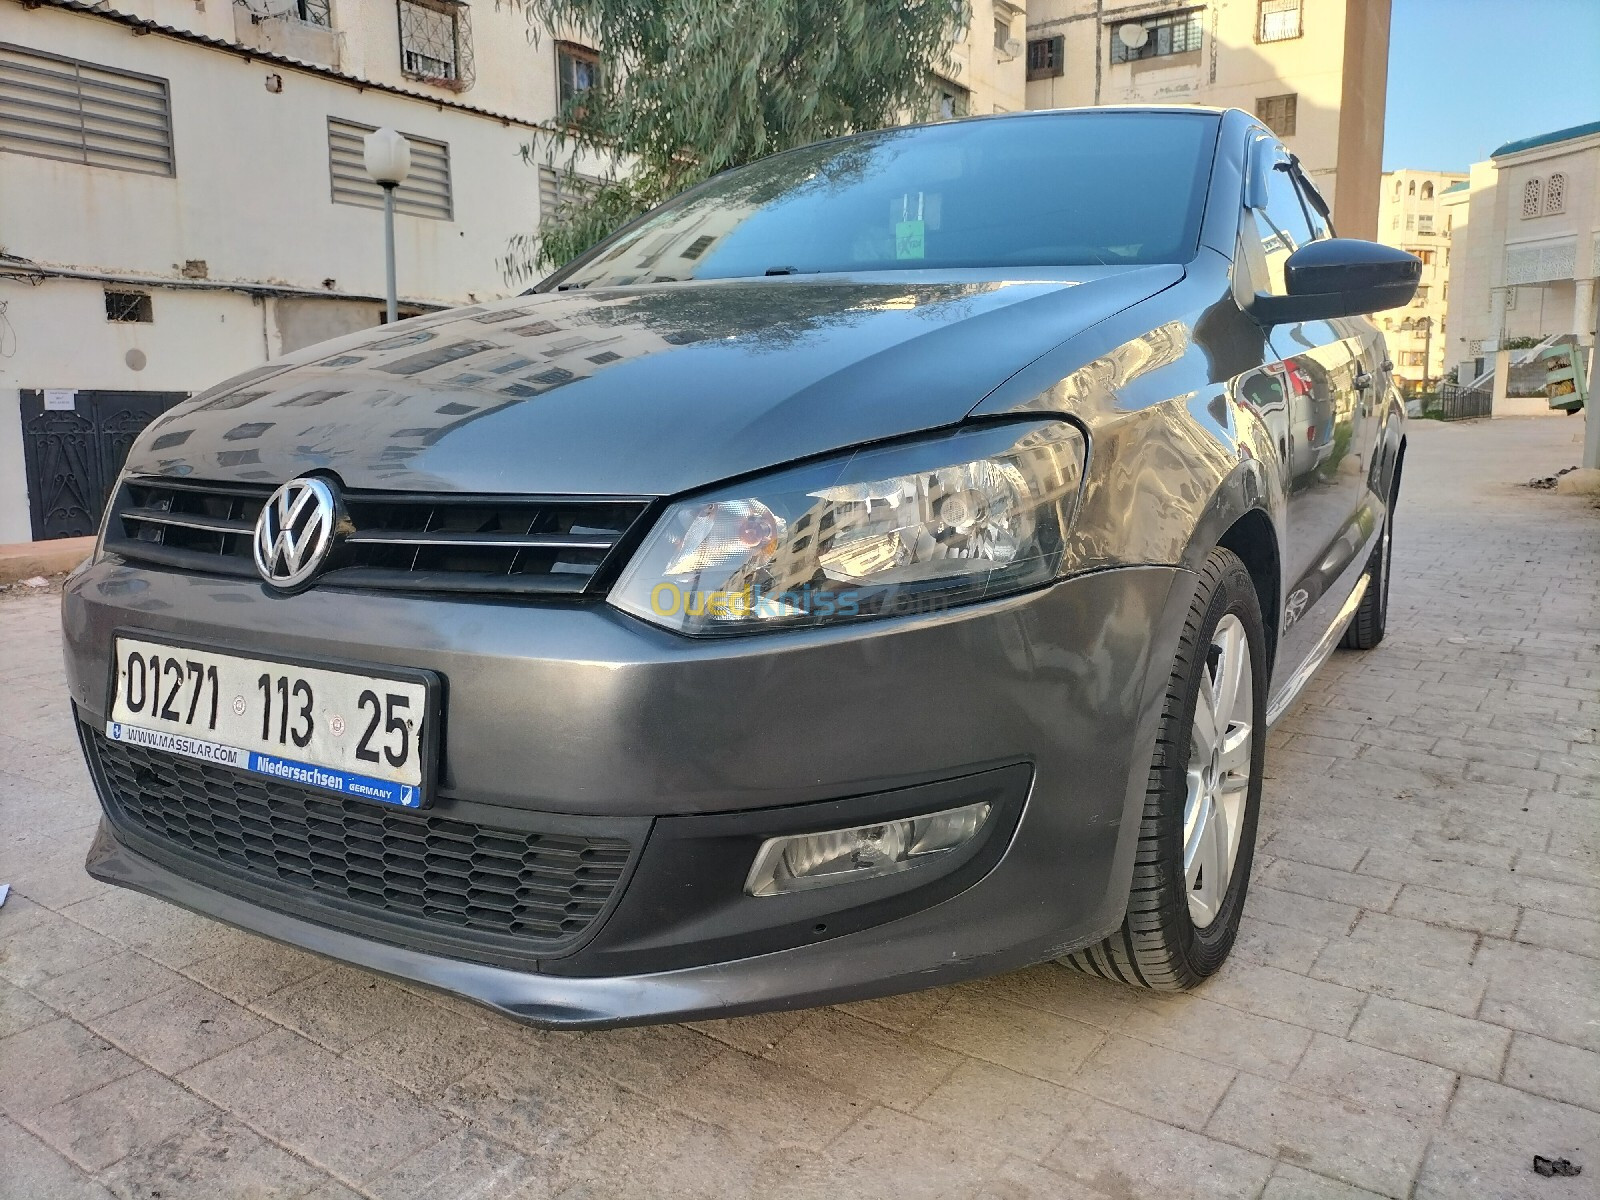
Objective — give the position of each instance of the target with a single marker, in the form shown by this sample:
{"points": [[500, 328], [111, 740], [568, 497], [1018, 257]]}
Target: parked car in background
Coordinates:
{"points": [[877, 567]]}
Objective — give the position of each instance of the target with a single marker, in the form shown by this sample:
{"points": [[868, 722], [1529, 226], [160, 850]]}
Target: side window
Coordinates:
{"points": [[1283, 225]]}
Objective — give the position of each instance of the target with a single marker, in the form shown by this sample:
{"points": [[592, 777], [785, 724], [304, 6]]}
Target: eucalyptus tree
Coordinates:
{"points": [[692, 87]]}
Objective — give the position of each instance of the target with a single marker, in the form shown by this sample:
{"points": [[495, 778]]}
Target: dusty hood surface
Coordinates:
{"points": [[633, 391]]}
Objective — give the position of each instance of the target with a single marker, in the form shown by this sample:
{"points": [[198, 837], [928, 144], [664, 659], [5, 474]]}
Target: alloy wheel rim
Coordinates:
{"points": [[1218, 776]]}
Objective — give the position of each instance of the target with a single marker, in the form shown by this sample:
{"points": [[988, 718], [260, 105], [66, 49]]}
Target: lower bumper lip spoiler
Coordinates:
{"points": [[819, 974]]}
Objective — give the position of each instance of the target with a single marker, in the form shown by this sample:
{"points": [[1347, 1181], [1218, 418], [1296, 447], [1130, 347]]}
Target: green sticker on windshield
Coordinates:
{"points": [[908, 239]]}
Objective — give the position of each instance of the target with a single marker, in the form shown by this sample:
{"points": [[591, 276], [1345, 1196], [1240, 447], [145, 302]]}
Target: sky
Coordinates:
{"points": [[1466, 76]]}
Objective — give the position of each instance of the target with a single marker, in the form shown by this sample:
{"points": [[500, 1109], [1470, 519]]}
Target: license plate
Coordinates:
{"points": [[346, 732]]}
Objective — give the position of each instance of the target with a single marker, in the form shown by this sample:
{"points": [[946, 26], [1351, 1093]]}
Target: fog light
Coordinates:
{"points": [[809, 860]]}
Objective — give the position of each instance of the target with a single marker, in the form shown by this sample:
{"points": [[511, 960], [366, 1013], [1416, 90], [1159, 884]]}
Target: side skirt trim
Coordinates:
{"points": [[1296, 683]]}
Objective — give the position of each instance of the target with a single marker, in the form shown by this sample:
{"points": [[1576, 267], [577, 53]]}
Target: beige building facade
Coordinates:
{"points": [[986, 72], [1526, 242], [1315, 71], [1413, 215]]}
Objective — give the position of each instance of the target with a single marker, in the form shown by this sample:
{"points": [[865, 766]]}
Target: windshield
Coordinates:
{"points": [[1068, 189]]}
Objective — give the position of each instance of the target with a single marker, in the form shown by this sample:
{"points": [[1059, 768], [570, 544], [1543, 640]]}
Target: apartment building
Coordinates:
{"points": [[182, 195], [1526, 243], [1413, 214], [1315, 71], [986, 62]]}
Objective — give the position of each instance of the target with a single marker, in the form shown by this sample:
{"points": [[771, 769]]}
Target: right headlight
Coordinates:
{"points": [[884, 531]]}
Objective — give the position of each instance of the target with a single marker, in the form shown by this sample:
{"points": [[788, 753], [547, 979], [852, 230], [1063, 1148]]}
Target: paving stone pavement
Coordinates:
{"points": [[1413, 1009]]}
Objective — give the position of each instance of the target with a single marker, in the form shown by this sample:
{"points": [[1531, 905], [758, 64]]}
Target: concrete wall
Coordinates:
{"points": [[63, 340]]}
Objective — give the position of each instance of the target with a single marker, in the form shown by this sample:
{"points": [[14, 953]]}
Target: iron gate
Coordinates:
{"points": [[72, 457]]}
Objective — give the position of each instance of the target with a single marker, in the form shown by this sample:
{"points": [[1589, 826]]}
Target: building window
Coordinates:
{"points": [[1555, 193], [1532, 197], [77, 112], [1156, 37], [1278, 20], [1412, 190], [1425, 224], [577, 70], [950, 99], [1427, 189], [1002, 33], [314, 12], [1278, 113], [1411, 358], [129, 307], [425, 192], [1426, 256], [1044, 57], [1421, 297], [436, 42], [1411, 221]]}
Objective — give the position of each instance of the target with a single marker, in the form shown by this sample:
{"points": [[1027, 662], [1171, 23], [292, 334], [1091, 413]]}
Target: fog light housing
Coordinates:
{"points": [[799, 862]]}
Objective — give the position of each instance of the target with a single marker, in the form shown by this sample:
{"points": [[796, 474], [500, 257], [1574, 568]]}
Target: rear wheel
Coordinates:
{"points": [[1197, 835], [1367, 627]]}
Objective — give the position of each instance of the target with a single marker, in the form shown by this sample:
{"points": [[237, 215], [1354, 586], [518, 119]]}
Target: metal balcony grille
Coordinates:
{"points": [[425, 191], [61, 108], [436, 42], [361, 866], [511, 545]]}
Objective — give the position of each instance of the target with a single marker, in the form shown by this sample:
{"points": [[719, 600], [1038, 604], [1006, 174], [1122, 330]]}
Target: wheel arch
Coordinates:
{"points": [[1254, 539], [1240, 518]]}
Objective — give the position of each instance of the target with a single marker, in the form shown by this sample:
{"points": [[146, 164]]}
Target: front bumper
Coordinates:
{"points": [[700, 749]]}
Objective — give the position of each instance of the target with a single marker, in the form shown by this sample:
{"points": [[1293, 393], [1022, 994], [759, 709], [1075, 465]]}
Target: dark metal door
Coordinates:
{"points": [[72, 458]]}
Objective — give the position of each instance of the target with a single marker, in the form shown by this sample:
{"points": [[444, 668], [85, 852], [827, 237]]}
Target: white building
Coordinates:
{"points": [[1526, 243], [1412, 215], [182, 196], [180, 200], [1314, 71]]}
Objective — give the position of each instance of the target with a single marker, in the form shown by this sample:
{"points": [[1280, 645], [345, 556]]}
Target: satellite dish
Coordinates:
{"points": [[1133, 35], [263, 10], [1013, 47]]}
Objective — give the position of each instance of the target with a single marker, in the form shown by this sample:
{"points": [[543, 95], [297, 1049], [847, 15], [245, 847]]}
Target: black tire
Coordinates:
{"points": [[1366, 628], [1158, 945]]}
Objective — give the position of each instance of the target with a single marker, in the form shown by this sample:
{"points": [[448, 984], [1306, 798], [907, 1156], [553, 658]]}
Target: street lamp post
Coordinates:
{"points": [[387, 156]]}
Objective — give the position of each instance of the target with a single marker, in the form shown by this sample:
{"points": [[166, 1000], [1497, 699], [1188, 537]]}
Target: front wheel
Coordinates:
{"points": [[1198, 832]]}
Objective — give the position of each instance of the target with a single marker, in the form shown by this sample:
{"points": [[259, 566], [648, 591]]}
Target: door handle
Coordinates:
{"points": [[1387, 364], [1364, 380]]}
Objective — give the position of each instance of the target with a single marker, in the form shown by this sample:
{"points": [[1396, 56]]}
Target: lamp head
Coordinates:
{"points": [[387, 156]]}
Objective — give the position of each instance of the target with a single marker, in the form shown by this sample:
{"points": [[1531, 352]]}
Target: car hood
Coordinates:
{"points": [[632, 391]]}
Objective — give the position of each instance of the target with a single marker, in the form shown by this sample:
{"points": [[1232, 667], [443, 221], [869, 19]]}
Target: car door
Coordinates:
{"points": [[1323, 429]]}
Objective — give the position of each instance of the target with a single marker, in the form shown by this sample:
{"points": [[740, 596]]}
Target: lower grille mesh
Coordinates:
{"points": [[542, 890]]}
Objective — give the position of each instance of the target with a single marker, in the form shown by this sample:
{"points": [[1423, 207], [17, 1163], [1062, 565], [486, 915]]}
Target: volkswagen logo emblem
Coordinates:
{"points": [[295, 531]]}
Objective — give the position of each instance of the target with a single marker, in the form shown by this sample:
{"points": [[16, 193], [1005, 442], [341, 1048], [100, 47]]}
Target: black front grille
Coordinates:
{"points": [[521, 545], [523, 893]]}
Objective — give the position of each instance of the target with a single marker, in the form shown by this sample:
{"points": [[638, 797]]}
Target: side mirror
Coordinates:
{"points": [[1340, 277]]}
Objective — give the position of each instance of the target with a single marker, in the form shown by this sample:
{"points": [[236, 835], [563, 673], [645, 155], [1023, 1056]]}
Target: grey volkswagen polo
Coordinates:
{"points": [[877, 567]]}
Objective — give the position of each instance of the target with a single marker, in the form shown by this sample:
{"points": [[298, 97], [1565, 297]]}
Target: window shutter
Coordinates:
{"points": [[61, 108], [425, 192]]}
